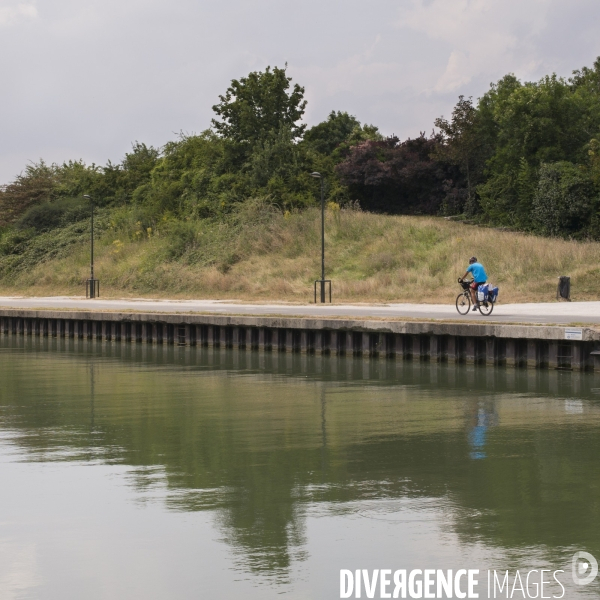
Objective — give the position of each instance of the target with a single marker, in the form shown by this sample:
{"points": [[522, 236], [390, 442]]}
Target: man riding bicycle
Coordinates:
{"points": [[479, 278]]}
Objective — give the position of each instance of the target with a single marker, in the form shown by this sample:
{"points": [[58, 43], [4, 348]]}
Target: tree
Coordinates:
{"points": [[138, 164], [37, 184], [186, 178], [594, 160], [257, 105], [565, 202], [397, 177], [530, 124], [328, 135], [460, 142]]}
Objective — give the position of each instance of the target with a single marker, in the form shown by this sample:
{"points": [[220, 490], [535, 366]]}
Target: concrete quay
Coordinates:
{"points": [[549, 313], [551, 347]]}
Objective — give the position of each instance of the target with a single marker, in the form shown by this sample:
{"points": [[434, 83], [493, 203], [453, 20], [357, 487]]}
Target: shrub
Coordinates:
{"points": [[49, 215], [182, 236], [37, 184], [565, 201], [12, 240]]}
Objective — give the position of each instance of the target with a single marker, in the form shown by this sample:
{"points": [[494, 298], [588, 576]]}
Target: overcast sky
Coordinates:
{"points": [[86, 78]]}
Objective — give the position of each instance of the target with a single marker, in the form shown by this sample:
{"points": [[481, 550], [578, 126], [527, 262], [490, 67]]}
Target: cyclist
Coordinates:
{"points": [[479, 278]]}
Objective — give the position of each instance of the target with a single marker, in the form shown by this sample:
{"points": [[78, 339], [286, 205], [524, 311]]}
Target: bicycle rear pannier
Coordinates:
{"points": [[482, 292]]}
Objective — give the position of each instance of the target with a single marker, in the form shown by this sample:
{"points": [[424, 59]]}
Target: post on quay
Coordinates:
{"points": [[92, 285], [323, 282]]}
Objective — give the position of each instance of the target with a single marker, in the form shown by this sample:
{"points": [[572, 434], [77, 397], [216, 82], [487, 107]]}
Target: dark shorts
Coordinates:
{"points": [[476, 284]]}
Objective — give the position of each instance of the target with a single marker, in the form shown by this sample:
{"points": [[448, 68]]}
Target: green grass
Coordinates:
{"points": [[258, 253]]}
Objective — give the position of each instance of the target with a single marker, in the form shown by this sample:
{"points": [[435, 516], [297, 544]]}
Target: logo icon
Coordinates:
{"points": [[585, 568]]}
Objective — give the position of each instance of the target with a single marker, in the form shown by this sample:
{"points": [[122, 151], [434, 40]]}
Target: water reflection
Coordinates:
{"points": [[502, 457], [483, 417]]}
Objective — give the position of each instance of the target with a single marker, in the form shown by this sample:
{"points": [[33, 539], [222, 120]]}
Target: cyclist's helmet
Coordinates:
{"points": [[472, 260]]}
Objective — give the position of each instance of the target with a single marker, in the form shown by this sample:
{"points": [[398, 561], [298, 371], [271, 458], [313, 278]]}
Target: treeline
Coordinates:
{"points": [[256, 148], [524, 156]]}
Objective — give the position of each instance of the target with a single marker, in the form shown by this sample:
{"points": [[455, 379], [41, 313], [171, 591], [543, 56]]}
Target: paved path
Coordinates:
{"points": [[557, 312]]}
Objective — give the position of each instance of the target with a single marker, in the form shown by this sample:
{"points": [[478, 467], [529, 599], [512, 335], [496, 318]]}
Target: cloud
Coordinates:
{"points": [[482, 36], [85, 79], [11, 12]]}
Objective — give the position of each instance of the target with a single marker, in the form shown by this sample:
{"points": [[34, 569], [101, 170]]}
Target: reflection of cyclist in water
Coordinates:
{"points": [[483, 418]]}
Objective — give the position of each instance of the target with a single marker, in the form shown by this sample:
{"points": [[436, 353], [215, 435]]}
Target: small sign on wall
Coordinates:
{"points": [[573, 334]]}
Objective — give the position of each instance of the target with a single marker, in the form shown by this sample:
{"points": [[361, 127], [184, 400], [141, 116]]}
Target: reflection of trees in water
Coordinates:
{"points": [[227, 444], [267, 530]]}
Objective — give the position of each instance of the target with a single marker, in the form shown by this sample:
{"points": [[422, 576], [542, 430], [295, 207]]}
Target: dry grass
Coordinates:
{"points": [[370, 258]]}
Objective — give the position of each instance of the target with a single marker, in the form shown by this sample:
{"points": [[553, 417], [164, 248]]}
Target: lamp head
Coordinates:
{"points": [[86, 196], [315, 174]]}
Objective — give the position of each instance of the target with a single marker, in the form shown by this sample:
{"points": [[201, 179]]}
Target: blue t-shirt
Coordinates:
{"points": [[478, 272]]}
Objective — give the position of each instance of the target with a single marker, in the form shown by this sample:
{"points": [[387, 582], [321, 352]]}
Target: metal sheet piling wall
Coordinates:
{"points": [[515, 346]]}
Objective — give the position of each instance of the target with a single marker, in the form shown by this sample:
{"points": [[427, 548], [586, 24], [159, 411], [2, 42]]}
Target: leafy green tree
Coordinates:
{"points": [[542, 122], [586, 85], [565, 201], [588, 77], [120, 181], [259, 104], [187, 179], [76, 179], [460, 143], [326, 136], [529, 124], [36, 184], [279, 168], [594, 160]]}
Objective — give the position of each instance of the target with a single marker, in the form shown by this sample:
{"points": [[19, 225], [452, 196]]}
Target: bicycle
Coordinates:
{"points": [[463, 301]]}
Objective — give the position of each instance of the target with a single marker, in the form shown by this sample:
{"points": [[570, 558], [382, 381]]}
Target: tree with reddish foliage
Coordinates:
{"points": [[399, 177]]}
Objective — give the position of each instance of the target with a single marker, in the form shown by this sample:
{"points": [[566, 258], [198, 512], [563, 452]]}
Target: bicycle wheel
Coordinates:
{"points": [[463, 303], [486, 308]]}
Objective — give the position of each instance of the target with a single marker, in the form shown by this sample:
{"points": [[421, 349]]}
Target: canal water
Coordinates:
{"points": [[131, 471]]}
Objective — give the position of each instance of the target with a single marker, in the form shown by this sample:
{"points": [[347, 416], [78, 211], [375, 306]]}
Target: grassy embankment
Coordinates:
{"points": [[260, 254]]}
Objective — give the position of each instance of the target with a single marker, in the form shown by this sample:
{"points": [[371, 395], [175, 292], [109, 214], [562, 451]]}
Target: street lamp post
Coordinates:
{"points": [[92, 287], [322, 281]]}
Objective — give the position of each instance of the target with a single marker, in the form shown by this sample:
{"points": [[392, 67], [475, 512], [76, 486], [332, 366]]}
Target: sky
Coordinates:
{"points": [[84, 79]]}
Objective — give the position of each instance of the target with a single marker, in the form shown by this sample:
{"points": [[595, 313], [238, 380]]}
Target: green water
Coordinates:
{"points": [[128, 471]]}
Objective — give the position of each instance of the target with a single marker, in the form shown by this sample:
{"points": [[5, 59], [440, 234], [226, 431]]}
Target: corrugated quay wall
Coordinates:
{"points": [[530, 346]]}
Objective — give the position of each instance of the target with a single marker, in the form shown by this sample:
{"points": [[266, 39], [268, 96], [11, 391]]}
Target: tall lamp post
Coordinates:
{"points": [[322, 281], [92, 286]]}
